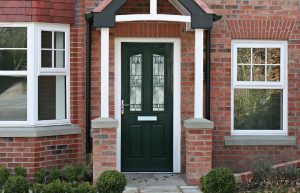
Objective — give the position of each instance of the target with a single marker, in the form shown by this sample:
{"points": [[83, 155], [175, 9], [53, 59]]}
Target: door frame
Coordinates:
{"points": [[176, 94]]}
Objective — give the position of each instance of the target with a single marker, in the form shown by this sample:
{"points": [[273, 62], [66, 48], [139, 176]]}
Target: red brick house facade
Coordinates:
{"points": [[241, 73]]}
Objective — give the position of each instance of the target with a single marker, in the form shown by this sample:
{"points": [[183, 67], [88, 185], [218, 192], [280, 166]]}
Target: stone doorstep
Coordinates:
{"points": [[163, 189]]}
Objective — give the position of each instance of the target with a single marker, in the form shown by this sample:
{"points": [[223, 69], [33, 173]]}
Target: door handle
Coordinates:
{"points": [[123, 106]]}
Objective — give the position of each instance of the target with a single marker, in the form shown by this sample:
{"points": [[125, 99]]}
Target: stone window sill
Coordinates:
{"points": [[260, 140], [39, 131]]}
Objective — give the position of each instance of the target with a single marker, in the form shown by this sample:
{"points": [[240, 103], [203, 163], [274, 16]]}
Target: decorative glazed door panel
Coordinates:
{"points": [[147, 111]]}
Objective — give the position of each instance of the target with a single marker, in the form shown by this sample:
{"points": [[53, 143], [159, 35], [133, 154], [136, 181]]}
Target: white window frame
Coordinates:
{"points": [[55, 71], [282, 84], [34, 70]]}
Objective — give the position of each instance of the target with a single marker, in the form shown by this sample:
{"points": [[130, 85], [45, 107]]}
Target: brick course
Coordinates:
{"points": [[52, 11], [40, 152], [198, 154], [104, 150]]}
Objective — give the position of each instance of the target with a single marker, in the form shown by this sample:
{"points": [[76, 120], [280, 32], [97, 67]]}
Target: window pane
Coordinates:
{"points": [[13, 59], [273, 55], [136, 83], [158, 83], [59, 61], [13, 37], [46, 39], [13, 98], [244, 73], [244, 55], [59, 40], [46, 58], [257, 109], [258, 55], [274, 73], [52, 97], [258, 73]]}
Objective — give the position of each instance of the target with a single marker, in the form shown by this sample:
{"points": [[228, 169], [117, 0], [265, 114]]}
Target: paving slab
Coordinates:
{"points": [[190, 189], [157, 183], [160, 189], [165, 180], [154, 179], [131, 190], [137, 180]]}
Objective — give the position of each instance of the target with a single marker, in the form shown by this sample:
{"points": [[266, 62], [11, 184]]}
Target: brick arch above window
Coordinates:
{"points": [[260, 29]]}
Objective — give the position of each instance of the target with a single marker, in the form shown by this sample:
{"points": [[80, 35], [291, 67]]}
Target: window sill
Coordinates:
{"points": [[39, 131], [260, 140]]}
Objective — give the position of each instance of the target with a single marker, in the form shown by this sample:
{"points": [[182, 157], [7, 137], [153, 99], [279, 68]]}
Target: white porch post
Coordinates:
{"points": [[198, 100], [153, 7], [104, 72]]}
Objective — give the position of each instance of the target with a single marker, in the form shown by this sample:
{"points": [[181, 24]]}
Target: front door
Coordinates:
{"points": [[147, 111]]}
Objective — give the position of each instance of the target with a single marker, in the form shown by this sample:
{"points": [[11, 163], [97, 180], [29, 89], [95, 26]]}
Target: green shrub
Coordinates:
{"points": [[291, 172], [57, 186], [55, 174], [4, 174], [219, 180], [20, 171], [72, 173], [84, 188], [38, 188], [111, 181], [261, 169], [87, 169], [40, 176], [16, 184]]}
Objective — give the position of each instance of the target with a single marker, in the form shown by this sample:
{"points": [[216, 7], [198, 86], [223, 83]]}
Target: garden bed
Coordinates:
{"points": [[70, 179], [263, 178], [281, 178]]}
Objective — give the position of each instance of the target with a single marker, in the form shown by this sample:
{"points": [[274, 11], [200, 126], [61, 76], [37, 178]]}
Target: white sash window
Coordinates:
{"points": [[259, 87], [34, 74]]}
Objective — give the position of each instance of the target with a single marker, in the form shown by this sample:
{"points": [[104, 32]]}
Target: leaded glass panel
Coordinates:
{"points": [[158, 83], [136, 83]]}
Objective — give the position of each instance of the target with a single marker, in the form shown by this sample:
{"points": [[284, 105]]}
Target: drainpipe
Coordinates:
{"points": [[89, 20], [208, 46]]}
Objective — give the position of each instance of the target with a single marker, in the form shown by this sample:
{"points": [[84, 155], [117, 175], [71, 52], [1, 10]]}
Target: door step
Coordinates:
{"points": [[163, 189], [154, 179]]}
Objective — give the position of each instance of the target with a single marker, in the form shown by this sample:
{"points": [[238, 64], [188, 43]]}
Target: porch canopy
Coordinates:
{"points": [[194, 12]]}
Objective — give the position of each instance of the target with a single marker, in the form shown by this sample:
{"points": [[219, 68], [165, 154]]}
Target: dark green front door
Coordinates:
{"points": [[147, 111]]}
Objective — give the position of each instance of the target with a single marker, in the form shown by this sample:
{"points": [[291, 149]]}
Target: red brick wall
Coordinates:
{"points": [[276, 19], [284, 14], [48, 152], [253, 19], [104, 150], [40, 152], [52, 11]]}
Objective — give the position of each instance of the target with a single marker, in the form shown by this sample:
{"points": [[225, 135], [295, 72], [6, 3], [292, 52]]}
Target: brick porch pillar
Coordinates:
{"points": [[104, 134], [198, 132]]}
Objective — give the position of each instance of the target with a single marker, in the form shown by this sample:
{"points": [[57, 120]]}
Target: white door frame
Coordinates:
{"points": [[176, 95]]}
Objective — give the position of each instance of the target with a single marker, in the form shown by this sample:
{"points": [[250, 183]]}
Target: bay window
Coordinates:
{"points": [[34, 74], [259, 87]]}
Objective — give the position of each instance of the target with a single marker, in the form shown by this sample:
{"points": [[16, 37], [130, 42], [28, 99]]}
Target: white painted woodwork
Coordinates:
{"points": [[198, 100], [153, 17], [104, 72], [153, 7], [282, 84]]}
